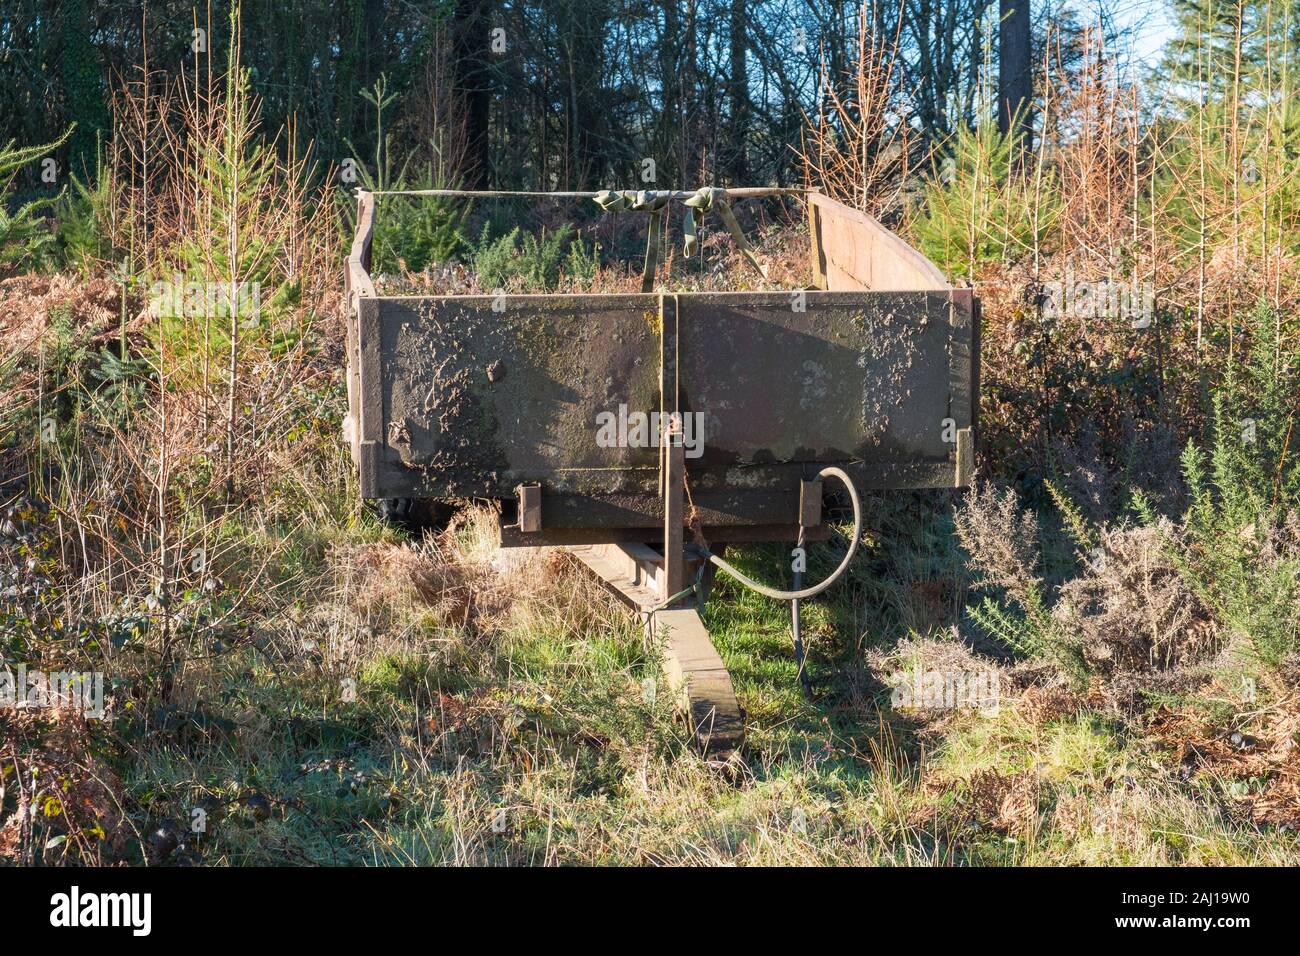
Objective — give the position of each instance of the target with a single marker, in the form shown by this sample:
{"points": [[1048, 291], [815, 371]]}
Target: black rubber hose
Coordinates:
{"points": [[829, 471]]}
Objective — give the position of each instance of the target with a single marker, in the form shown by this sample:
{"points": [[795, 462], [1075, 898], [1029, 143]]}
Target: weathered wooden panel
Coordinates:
{"points": [[854, 253], [477, 400], [818, 377]]}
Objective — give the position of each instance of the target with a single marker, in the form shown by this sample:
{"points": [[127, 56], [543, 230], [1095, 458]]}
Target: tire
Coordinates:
{"points": [[414, 515]]}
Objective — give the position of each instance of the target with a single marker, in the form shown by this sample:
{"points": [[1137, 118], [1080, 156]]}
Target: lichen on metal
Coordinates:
{"points": [[873, 368]]}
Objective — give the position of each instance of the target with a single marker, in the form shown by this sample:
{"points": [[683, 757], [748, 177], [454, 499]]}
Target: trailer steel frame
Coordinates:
{"points": [[880, 311]]}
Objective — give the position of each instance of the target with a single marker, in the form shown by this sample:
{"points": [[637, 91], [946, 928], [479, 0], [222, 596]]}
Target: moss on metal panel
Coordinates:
{"points": [[482, 394], [488, 397]]}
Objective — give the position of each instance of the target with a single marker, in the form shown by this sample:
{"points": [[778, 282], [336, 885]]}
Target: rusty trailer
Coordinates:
{"points": [[604, 423]]}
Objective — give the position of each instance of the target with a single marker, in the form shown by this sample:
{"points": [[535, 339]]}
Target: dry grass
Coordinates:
{"points": [[1132, 609], [51, 773]]}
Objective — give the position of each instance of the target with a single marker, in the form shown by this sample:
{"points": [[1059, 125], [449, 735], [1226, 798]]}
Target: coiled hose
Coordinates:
{"points": [[830, 471]]}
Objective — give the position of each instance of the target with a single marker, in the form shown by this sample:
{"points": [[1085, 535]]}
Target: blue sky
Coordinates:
{"points": [[1152, 24]]}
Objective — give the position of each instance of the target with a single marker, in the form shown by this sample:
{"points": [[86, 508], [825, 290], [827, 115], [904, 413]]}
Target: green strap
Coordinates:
{"points": [[613, 200], [655, 203], [651, 265], [616, 200], [710, 197], [704, 199]]}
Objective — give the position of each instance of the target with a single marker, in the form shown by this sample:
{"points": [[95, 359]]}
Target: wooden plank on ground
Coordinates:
{"points": [[627, 570], [696, 674], [693, 668]]}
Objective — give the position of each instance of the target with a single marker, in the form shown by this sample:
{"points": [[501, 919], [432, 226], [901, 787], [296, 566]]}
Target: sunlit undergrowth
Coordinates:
{"points": [[319, 689]]}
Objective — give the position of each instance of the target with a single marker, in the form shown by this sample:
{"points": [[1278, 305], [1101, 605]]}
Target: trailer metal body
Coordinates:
{"points": [[874, 368]]}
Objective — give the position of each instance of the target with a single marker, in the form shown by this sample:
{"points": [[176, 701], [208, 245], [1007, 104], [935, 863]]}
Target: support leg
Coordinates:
{"points": [[693, 668]]}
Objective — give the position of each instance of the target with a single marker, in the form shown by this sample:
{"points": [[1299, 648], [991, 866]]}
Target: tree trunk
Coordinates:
{"points": [[738, 93], [473, 85], [85, 94], [670, 162], [374, 45], [584, 29], [1015, 79]]}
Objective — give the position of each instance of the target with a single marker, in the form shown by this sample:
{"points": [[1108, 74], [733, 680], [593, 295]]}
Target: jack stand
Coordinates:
{"points": [[796, 632]]}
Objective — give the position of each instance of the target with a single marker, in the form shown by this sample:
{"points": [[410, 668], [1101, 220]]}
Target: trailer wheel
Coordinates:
{"points": [[394, 511], [414, 514]]}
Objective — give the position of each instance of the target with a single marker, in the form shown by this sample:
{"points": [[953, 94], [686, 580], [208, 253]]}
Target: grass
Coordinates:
{"points": [[345, 695], [521, 734]]}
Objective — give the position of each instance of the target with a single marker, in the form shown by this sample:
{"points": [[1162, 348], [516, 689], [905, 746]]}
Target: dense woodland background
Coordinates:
{"points": [[568, 95]]}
